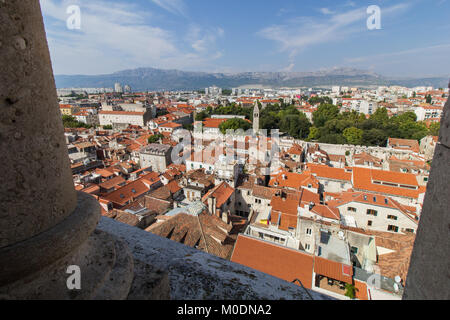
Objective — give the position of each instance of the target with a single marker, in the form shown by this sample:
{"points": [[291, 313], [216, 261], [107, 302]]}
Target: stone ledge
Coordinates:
{"points": [[197, 275]]}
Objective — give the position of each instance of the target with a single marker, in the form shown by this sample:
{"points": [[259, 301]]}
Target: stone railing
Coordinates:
{"points": [[177, 271]]}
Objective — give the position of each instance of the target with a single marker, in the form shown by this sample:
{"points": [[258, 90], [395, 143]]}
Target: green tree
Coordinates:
{"points": [[296, 125], [155, 138], [353, 135], [320, 100], [202, 115], [324, 113], [434, 129], [313, 133], [350, 291], [374, 137], [234, 124], [71, 122], [380, 116]]}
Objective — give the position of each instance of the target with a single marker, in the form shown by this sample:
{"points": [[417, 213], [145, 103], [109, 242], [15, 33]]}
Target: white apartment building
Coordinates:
{"points": [[428, 112], [124, 117], [376, 212]]}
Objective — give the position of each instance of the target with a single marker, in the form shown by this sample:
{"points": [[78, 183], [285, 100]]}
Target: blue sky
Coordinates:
{"points": [[250, 35]]}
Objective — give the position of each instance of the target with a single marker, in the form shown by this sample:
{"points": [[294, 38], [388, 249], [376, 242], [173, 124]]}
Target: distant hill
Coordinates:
{"points": [[158, 79]]}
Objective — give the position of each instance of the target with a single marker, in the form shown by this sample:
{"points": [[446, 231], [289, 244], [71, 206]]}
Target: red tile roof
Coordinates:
{"points": [[222, 193], [323, 171], [281, 262], [127, 193], [404, 144], [363, 180], [293, 180], [108, 184], [285, 207], [333, 269]]}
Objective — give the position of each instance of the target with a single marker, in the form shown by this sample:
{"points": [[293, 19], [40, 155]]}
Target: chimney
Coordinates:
{"points": [[211, 205], [226, 217]]}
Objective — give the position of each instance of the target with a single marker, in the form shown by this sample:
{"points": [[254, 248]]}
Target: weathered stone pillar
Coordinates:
{"points": [[45, 226], [429, 270]]}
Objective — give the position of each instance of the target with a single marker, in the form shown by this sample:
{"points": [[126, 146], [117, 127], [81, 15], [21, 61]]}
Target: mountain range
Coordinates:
{"points": [[158, 79]]}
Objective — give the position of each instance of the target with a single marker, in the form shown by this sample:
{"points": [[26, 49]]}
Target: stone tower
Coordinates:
{"points": [[256, 118]]}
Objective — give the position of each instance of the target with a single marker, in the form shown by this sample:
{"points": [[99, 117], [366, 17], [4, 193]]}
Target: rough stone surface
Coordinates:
{"points": [[149, 283], [194, 274], [106, 272], [35, 253], [36, 190], [118, 283], [429, 270]]}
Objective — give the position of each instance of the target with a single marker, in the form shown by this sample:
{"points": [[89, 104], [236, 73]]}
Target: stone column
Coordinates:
{"points": [[429, 269], [45, 225]]}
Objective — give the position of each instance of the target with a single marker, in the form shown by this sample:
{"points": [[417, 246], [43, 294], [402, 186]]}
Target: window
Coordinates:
{"points": [[351, 209], [385, 200], [354, 250], [392, 228], [307, 246], [372, 212], [409, 230], [369, 223], [374, 199], [309, 231], [391, 217]]}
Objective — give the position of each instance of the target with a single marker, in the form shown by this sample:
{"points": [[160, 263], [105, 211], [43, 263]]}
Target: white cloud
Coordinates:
{"points": [[173, 6], [326, 11], [303, 32], [289, 68], [115, 36], [203, 40]]}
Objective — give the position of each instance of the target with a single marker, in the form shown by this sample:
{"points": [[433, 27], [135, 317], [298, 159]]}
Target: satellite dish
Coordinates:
{"points": [[397, 279]]}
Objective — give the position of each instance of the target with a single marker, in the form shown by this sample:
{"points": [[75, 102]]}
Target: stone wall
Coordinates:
{"points": [[429, 270]]}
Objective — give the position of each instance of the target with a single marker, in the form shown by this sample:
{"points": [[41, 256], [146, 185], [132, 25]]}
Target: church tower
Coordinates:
{"points": [[256, 118]]}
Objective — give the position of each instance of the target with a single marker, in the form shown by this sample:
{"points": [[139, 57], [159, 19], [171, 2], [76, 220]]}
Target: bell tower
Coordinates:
{"points": [[256, 118]]}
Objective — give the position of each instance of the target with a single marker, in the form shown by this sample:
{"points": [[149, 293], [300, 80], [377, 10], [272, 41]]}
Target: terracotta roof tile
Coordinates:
{"points": [[281, 262]]}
